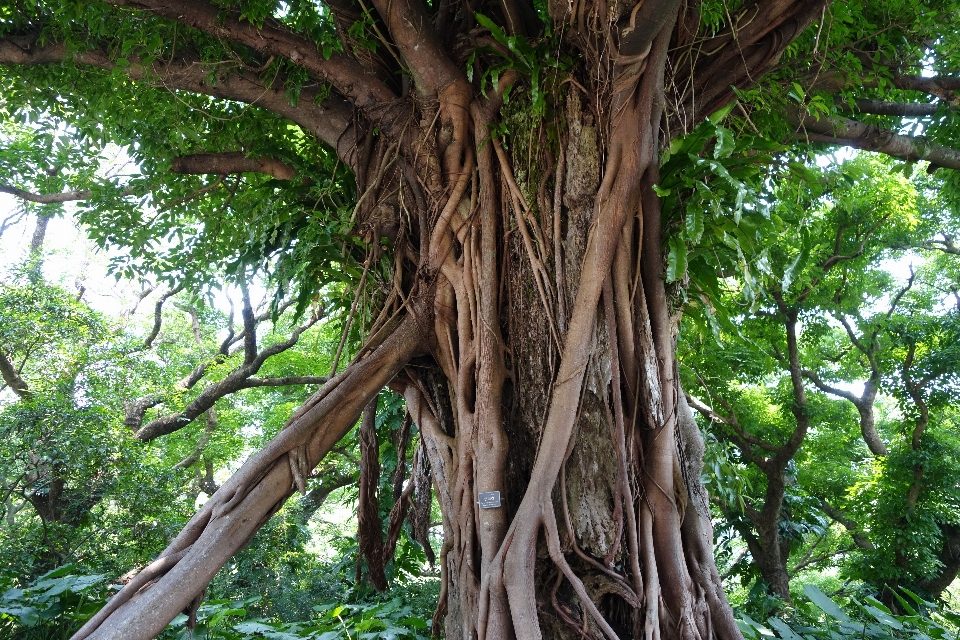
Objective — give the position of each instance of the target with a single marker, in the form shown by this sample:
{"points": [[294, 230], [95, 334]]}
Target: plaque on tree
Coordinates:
{"points": [[489, 499]]}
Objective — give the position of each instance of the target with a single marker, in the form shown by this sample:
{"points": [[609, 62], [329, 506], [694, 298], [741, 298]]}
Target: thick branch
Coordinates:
{"points": [[227, 522], [946, 245], [330, 121], [939, 86], [347, 75], [856, 532], [799, 408], [636, 33], [864, 405], [249, 326], [413, 33], [949, 559], [709, 69], [12, 377], [234, 162], [315, 498], [850, 133], [46, 198], [826, 388], [158, 316], [903, 109]]}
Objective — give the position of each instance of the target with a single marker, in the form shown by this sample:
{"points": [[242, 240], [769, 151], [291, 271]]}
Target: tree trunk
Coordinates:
{"points": [[529, 267], [39, 234]]}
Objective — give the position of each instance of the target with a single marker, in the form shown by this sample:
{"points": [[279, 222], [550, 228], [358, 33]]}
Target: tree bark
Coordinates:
{"points": [[551, 376]]}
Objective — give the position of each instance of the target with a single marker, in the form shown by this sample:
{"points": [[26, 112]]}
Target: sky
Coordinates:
{"points": [[71, 259]]}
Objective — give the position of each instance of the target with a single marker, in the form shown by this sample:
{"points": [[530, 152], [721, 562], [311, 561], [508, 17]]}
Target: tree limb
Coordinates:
{"points": [[211, 426], [158, 316], [939, 86], [850, 133], [134, 410], [826, 388], [249, 325], [228, 521], [863, 404], [710, 69], [345, 74], [330, 121], [416, 39], [236, 380], [285, 381], [744, 437], [859, 538], [12, 219], [232, 162], [902, 109], [946, 245], [12, 377], [315, 498], [47, 198]]}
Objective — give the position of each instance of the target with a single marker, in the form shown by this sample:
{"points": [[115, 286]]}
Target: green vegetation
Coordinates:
{"points": [[361, 267]]}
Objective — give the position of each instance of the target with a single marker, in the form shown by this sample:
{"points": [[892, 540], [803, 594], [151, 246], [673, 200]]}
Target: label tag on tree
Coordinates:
{"points": [[489, 499]]}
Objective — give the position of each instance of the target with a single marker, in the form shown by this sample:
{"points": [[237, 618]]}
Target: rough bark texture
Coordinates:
{"points": [[530, 270]]}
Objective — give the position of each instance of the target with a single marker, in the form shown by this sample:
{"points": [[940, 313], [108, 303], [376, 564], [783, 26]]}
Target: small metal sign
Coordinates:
{"points": [[489, 499]]}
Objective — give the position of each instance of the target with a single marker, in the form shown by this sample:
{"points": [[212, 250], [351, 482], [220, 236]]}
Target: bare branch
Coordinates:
{"points": [[903, 109], [236, 380], [234, 162], [12, 377], [856, 532], [850, 133], [46, 198], [158, 316], [11, 220]]}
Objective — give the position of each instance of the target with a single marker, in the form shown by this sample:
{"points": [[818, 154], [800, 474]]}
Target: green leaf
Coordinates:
{"points": [[726, 143], [823, 601], [694, 222], [718, 115], [883, 617], [495, 31], [798, 263], [783, 629], [677, 259]]}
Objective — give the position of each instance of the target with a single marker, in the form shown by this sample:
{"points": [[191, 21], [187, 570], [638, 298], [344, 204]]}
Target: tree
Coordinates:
{"points": [[72, 477], [502, 227], [824, 263]]}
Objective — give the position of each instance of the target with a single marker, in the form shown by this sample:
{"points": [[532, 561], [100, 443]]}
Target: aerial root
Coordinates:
{"points": [[141, 581], [299, 468], [556, 554], [436, 624]]}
